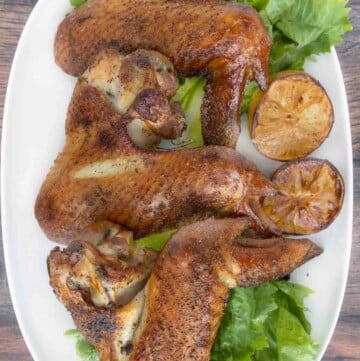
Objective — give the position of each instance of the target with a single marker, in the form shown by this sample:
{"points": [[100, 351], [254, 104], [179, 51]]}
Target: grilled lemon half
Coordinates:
{"points": [[292, 118], [311, 193]]}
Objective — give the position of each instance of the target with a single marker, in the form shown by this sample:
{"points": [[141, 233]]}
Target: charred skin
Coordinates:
{"points": [[225, 42], [178, 314], [102, 175]]}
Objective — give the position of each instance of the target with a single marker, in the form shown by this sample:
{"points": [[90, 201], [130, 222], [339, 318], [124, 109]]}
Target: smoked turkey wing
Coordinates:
{"points": [[225, 42], [186, 294], [102, 175], [178, 315]]}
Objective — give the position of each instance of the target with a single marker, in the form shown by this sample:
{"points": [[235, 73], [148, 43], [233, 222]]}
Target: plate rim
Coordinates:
{"points": [[350, 190], [4, 140], [9, 269]]}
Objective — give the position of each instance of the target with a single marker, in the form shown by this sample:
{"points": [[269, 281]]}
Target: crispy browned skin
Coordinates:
{"points": [[102, 175], [226, 42], [178, 316]]}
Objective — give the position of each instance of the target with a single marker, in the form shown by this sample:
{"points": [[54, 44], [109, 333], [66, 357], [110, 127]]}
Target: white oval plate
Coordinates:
{"points": [[33, 134]]}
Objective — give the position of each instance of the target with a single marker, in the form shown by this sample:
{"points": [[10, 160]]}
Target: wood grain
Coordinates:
{"points": [[345, 344]]}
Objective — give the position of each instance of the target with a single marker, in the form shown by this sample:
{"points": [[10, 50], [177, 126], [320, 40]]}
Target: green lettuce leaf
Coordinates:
{"points": [[301, 28], [257, 4], [307, 21], [155, 241], [305, 28], [265, 323], [295, 301], [190, 95], [248, 94], [293, 342], [77, 3], [240, 334], [84, 349]]}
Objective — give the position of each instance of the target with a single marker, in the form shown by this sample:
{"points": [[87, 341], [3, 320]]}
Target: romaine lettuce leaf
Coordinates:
{"points": [[265, 323], [307, 21], [84, 349], [248, 94], [155, 241], [240, 334], [301, 28], [190, 95], [293, 342], [295, 301], [77, 3]]}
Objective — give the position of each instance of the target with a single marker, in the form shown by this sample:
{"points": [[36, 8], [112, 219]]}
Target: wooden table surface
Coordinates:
{"points": [[345, 344]]}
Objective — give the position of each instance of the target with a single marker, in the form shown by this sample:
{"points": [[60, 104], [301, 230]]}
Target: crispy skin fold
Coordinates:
{"points": [[102, 175], [225, 42], [178, 314]]}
